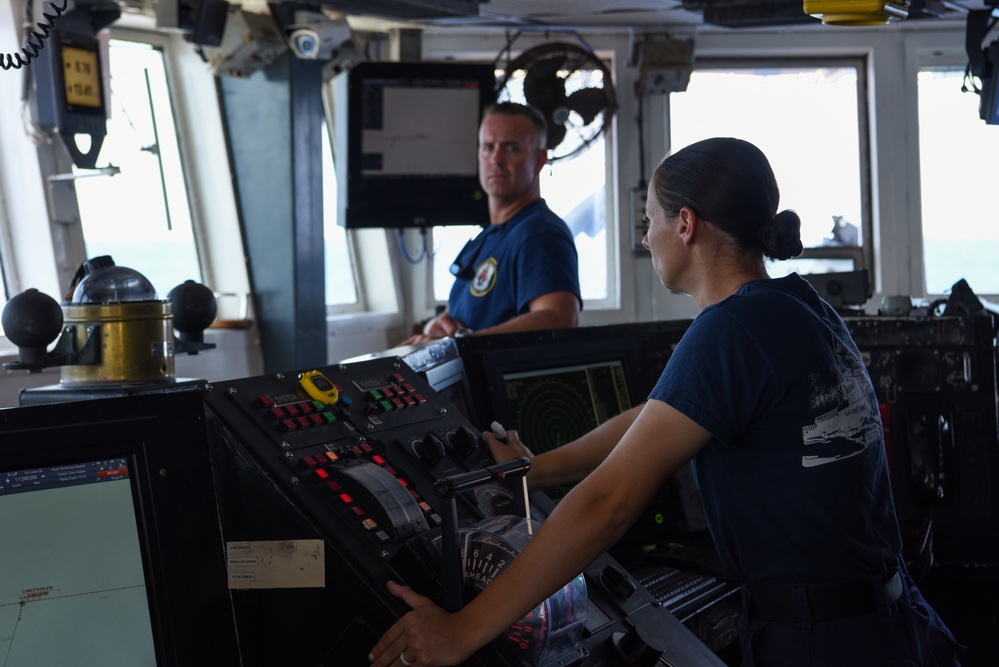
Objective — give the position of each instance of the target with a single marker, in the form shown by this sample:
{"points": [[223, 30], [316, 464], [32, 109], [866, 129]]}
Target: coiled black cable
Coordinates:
{"points": [[35, 41]]}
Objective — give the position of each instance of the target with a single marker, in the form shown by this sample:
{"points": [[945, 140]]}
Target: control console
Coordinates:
{"points": [[372, 463]]}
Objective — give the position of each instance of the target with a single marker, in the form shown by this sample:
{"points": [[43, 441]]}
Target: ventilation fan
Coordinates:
{"points": [[570, 86]]}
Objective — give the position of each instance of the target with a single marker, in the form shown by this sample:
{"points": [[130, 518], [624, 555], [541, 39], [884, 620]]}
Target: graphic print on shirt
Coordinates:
{"points": [[485, 278], [846, 424]]}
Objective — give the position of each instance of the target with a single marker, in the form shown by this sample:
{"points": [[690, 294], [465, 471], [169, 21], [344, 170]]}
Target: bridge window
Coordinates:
{"points": [[142, 215], [957, 160], [341, 271], [809, 118]]}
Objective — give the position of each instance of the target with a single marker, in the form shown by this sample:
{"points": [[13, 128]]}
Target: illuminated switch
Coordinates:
{"points": [[419, 399], [388, 392], [288, 425], [357, 451], [408, 388], [317, 405], [403, 482], [328, 417], [378, 459], [390, 470], [316, 418], [291, 410], [398, 379], [277, 412], [375, 395], [397, 402], [331, 456], [322, 475], [264, 401], [345, 497], [424, 506], [384, 406], [366, 448], [346, 400], [309, 461], [369, 524], [303, 421], [334, 486], [357, 510], [409, 401], [306, 408]]}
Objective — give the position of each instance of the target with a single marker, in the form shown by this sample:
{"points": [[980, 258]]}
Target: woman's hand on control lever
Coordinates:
{"points": [[505, 451]]}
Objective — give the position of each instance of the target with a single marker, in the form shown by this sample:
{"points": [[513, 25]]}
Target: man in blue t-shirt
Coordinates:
{"points": [[522, 271]]}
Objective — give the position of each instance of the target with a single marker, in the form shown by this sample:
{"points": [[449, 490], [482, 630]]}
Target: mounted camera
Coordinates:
{"points": [[314, 36]]}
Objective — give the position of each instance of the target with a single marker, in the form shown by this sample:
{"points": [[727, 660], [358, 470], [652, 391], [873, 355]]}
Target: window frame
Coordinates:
{"points": [[927, 57], [863, 256]]}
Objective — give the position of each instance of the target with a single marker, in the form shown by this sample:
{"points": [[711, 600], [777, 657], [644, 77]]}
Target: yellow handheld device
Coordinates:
{"points": [[319, 387]]}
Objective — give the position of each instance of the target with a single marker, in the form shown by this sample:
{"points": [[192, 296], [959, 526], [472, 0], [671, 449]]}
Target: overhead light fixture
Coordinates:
{"points": [[857, 12]]}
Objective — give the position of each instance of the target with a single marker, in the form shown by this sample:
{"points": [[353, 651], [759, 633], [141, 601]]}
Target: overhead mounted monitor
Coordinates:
{"points": [[410, 138]]}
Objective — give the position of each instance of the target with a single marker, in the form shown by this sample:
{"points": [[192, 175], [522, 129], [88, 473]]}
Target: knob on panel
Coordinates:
{"points": [[430, 450], [463, 441]]}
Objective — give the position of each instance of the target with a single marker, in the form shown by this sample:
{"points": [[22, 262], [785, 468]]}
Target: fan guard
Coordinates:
{"points": [[571, 88]]}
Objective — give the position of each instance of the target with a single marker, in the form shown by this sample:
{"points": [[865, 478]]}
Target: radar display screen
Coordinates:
{"points": [[554, 406]]}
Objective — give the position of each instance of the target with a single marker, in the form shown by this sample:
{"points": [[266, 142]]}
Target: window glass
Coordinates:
{"points": [[957, 162], [341, 275], [808, 123], [140, 216]]}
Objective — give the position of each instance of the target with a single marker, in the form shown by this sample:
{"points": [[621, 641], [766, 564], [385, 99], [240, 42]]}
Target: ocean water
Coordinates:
{"points": [[948, 260]]}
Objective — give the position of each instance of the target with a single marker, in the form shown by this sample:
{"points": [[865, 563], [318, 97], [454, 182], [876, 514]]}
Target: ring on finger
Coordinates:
{"points": [[402, 659]]}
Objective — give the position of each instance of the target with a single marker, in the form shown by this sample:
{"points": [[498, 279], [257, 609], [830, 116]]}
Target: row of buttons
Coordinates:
{"points": [[336, 453], [298, 416], [398, 395]]}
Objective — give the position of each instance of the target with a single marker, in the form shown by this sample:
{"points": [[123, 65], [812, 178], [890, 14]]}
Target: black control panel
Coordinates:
{"points": [[360, 456], [935, 379]]}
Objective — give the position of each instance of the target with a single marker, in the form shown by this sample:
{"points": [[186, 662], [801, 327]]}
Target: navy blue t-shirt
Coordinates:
{"points": [[795, 482], [511, 264]]}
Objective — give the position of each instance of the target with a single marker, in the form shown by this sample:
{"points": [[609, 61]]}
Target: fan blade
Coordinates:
{"points": [[556, 133], [588, 102], [543, 89]]}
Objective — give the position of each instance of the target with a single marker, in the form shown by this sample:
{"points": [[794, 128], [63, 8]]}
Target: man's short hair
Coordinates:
{"points": [[529, 112]]}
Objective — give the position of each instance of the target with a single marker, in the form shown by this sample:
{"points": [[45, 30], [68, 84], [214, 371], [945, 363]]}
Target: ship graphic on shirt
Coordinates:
{"points": [[847, 423]]}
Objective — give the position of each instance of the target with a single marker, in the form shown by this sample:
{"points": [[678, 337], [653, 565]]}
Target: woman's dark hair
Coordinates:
{"points": [[729, 183]]}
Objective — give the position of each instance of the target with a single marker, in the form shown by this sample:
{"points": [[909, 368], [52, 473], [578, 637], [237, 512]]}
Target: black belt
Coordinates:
{"points": [[825, 601]]}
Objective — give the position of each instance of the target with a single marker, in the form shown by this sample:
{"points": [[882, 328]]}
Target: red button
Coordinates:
{"points": [[277, 412], [288, 425], [264, 401], [322, 474]]}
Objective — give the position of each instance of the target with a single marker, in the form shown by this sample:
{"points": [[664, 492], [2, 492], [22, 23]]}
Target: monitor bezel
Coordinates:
{"points": [[165, 441], [409, 200]]}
